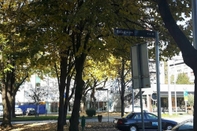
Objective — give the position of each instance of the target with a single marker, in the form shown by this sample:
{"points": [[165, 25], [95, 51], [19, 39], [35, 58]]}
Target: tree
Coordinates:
{"points": [[121, 67], [95, 75], [182, 79], [190, 100], [14, 66], [189, 53]]}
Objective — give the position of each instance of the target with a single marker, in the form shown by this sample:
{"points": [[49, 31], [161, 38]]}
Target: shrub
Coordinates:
{"points": [[90, 112]]}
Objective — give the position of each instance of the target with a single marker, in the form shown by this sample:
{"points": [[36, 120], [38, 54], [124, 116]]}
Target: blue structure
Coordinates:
{"points": [[41, 108]]}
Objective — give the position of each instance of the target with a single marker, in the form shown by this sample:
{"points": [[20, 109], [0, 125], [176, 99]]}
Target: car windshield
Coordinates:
{"points": [[187, 124]]}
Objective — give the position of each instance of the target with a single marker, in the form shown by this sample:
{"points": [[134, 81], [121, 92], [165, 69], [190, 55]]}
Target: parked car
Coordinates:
{"points": [[133, 122], [30, 111], [186, 125], [18, 111]]}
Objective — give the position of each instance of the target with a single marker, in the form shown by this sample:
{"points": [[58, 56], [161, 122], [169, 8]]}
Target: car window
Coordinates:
{"points": [[129, 115], [151, 116], [137, 116], [186, 126]]}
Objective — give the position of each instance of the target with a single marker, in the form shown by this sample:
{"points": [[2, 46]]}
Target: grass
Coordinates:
{"points": [[173, 115], [41, 117], [33, 118]]}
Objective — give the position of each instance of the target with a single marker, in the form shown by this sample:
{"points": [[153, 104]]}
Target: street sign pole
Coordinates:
{"points": [[158, 81], [150, 34]]}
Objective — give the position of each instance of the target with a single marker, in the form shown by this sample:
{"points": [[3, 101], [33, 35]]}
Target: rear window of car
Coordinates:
{"points": [[130, 115], [137, 116]]}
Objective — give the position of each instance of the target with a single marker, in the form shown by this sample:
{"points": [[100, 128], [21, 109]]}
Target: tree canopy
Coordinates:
{"points": [[183, 79]]}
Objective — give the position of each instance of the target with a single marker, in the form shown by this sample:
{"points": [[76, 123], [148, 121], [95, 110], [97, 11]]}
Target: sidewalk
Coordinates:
{"points": [[179, 118]]}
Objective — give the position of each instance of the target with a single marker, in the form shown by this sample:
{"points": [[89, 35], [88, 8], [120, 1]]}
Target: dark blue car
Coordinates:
{"points": [[133, 122]]}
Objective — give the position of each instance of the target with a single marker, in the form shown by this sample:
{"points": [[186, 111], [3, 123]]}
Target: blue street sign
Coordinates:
{"points": [[185, 93], [140, 33]]}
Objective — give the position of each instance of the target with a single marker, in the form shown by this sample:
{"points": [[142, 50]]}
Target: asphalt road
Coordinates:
{"points": [[179, 118]]}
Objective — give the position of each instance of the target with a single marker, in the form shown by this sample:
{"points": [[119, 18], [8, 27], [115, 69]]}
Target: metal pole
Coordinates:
{"points": [[175, 96], [108, 104], [158, 81], [140, 87], [185, 106], [194, 18], [169, 92], [132, 83], [142, 112], [132, 99]]}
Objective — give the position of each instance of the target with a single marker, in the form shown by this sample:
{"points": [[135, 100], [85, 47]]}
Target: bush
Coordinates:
{"points": [[90, 112]]}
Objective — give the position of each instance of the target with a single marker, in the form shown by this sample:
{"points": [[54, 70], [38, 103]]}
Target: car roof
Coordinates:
{"points": [[136, 112], [140, 111]]}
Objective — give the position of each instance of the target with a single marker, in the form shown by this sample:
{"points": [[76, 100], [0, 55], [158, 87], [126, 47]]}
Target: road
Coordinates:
{"points": [[179, 118]]}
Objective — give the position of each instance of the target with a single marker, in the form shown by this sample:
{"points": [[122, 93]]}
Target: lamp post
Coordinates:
{"points": [[175, 97], [169, 92], [175, 78]]}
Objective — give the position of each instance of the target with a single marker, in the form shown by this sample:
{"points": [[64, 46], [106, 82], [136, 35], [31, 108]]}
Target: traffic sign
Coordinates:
{"points": [[154, 96], [140, 68], [140, 33]]}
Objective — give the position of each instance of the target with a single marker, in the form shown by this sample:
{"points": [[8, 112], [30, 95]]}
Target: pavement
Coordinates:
{"points": [[179, 118]]}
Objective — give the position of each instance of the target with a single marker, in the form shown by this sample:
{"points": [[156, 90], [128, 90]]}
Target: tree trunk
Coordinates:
{"points": [[74, 120], [67, 98], [13, 105], [7, 106], [61, 114], [188, 52]]}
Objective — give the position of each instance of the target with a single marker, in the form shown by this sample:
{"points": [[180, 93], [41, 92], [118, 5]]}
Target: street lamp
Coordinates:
{"points": [[169, 92], [175, 97], [175, 79]]}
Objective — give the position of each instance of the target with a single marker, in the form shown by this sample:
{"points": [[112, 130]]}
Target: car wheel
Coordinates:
{"points": [[133, 128], [169, 127]]}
